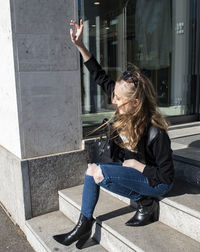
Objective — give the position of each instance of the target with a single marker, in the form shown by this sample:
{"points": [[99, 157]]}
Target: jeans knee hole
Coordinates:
{"points": [[98, 176]]}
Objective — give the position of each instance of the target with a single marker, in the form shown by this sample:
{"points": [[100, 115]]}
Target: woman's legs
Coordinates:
{"points": [[82, 230], [122, 180], [91, 189], [119, 179], [129, 182], [90, 196]]}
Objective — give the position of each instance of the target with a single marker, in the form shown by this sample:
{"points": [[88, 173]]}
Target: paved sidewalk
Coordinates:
{"points": [[12, 239]]}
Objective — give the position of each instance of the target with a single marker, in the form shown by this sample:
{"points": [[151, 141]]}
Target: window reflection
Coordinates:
{"points": [[119, 32]]}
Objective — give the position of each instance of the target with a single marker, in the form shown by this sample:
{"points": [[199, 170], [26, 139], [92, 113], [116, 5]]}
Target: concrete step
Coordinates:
{"points": [[183, 130], [111, 214], [187, 164], [186, 153], [39, 232], [190, 155], [180, 209]]}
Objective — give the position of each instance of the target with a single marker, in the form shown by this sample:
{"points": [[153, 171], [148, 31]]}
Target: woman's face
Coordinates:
{"points": [[120, 97]]}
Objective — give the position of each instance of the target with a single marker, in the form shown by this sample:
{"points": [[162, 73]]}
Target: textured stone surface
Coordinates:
{"points": [[183, 130], [50, 113], [181, 221], [42, 35], [9, 126], [11, 188], [41, 17], [46, 52], [188, 154], [186, 195], [180, 209], [187, 172], [186, 150], [49, 174], [190, 141], [40, 230]]}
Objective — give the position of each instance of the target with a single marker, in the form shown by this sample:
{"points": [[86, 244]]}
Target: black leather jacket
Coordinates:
{"points": [[154, 148]]}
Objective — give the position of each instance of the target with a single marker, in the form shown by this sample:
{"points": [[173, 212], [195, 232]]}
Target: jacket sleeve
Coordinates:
{"points": [[163, 168], [100, 77]]}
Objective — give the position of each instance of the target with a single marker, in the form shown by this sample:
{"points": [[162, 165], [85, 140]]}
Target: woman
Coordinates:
{"points": [[140, 148]]}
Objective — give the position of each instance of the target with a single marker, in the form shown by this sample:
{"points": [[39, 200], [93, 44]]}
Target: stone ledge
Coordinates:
{"points": [[49, 174]]}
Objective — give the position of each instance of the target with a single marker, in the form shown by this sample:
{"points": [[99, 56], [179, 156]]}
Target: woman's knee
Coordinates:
{"points": [[95, 171], [91, 169]]}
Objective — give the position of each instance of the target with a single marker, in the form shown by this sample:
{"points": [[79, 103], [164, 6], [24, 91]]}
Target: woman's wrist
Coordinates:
{"points": [[84, 51], [79, 44]]}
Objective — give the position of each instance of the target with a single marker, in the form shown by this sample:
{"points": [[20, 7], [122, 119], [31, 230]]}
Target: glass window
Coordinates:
{"points": [[151, 34]]}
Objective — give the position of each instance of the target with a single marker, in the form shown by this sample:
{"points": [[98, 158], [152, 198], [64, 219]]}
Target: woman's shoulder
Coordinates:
{"points": [[154, 132]]}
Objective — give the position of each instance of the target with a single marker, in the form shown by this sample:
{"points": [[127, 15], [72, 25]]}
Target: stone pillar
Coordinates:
{"points": [[41, 128]]}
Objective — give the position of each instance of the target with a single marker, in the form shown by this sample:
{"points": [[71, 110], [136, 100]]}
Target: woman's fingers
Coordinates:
{"points": [[81, 22], [81, 25], [75, 24], [72, 34]]}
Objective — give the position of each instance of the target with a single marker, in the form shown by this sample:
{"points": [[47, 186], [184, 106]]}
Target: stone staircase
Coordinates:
{"points": [[178, 228]]}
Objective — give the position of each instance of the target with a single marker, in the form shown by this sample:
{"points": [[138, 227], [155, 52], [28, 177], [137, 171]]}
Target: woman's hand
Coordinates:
{"points": [[133, 163], [76, 36]]}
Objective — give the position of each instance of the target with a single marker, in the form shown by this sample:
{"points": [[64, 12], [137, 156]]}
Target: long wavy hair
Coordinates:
{"points": [[133, 124]]}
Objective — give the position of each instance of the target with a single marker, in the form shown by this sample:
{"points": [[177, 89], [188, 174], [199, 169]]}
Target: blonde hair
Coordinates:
{"points": [[133, 124]]}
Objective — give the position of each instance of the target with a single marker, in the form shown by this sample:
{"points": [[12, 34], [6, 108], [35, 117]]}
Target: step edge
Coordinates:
{"points": [[195, 163], [173, 134], [38, 239], [179, 206], [66, 198], [117, 235]]}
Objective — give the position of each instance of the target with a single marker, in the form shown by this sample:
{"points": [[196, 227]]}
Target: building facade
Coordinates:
{"points": [[161, 37]]}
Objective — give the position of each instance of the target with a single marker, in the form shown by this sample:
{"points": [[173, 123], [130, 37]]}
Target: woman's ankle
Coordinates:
{"points": [[89, 217], [146, 201]]}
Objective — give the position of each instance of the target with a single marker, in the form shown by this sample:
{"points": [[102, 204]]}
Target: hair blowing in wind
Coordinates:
{"points": [[133, 124]]}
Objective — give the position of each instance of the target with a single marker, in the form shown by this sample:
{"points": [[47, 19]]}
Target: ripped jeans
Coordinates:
{"points": [[122, 180]]}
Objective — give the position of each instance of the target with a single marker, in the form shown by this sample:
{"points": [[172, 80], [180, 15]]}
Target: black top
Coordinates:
{"points": [[154, 148]]}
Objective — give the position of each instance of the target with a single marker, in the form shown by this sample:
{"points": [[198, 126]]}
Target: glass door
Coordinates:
{"points": [[155, 35]]}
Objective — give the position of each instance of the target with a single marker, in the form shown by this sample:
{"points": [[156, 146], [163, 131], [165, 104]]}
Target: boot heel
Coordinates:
{"points": [[156, 215], [83, 240]]}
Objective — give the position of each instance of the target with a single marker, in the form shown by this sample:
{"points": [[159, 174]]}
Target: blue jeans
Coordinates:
{"points": [[122, 180]]}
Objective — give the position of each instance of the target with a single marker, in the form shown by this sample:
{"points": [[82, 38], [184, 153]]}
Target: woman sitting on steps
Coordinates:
{"points": [[142, 167]]}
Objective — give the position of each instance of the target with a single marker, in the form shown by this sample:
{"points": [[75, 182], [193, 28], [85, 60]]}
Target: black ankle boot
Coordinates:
{"points": [[81, 233], [147, 212]]}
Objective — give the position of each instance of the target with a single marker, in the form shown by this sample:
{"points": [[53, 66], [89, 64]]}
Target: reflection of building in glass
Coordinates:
{"points": [[146, 33]]}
